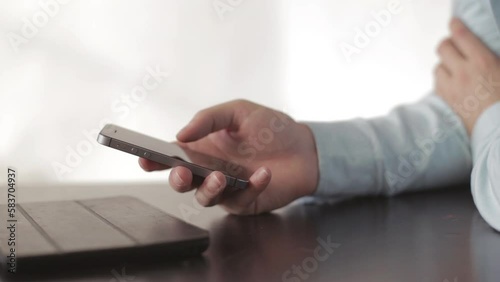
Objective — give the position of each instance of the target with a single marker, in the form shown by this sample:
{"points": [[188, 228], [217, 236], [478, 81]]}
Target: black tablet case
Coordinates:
{"points": [[76, 233]]}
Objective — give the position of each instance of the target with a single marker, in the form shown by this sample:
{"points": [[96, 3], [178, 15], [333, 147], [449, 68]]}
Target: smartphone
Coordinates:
{"points": [[171, 154]]}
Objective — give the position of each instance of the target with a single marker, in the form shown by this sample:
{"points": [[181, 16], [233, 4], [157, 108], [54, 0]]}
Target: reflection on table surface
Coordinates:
{"points": [[430, 236]]}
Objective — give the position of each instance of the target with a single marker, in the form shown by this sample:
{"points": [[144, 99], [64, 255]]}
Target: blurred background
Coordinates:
{"points": [[68, 67]]}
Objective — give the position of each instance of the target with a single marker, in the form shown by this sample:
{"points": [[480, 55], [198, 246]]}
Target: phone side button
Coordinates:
{"points": [[146, 154], [230, 181]]}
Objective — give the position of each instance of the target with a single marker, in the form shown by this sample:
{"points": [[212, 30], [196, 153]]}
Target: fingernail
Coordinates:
{"points": [[178, 180], [217, 186], [263, 174]]}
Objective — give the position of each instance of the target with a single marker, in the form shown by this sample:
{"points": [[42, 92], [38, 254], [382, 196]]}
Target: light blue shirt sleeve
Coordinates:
{"points": [[418, 146], [485, 180]]}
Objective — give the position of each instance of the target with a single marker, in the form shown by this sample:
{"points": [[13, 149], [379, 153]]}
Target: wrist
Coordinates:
{"points": [[310, 160]]}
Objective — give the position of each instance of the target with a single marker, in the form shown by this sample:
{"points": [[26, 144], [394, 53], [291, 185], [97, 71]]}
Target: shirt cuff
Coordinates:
{"points": [[487, 124], [345, 158]]}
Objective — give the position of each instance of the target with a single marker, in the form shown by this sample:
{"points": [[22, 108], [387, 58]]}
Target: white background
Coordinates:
{"points": [[63, 81]]}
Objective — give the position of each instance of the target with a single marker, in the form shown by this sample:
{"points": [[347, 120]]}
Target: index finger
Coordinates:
{"points": [[209, 120]]}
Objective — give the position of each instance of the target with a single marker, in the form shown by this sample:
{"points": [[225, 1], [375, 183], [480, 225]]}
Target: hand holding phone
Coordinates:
{"points": [[257, 138]]}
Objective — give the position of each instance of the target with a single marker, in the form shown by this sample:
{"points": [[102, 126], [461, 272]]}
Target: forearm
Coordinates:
{"points": [[417, 146]]}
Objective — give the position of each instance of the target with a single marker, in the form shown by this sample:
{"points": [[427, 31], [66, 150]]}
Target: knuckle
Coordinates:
{"points": [[457, 28], [485, 63], [440, 73], [443, 46], [200, 114], [438, 70], [454, 23], [240, 102]]}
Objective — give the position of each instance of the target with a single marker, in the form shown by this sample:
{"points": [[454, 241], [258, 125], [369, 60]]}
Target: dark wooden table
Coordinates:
{"points": [[430, 236]]}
